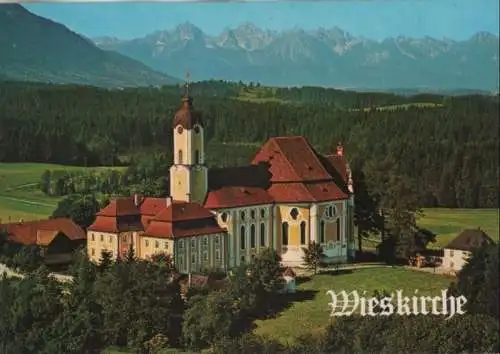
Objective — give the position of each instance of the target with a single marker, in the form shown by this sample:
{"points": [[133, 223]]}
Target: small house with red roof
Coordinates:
{"points": [[57, 237], [288, 196]]}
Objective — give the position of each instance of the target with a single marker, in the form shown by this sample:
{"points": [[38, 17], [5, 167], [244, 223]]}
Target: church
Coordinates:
{"points": [[288, 196]]}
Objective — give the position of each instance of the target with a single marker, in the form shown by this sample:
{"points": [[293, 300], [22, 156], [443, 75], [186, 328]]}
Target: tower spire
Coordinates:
{"points": [[186, 85]]}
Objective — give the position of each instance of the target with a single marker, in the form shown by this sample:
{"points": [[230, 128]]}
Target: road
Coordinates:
{"points": [[11, 273]]}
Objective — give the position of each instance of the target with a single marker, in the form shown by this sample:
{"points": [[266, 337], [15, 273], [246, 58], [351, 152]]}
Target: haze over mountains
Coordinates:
{"points": [[33, 48], [325, 57], [37, 49]]}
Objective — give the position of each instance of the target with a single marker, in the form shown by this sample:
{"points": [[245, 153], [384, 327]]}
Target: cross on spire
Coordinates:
{"points": [[186, 85]]}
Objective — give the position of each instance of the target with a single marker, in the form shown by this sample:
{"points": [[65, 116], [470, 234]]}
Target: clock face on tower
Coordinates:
{"points": [[196, 129], [180, 130]]}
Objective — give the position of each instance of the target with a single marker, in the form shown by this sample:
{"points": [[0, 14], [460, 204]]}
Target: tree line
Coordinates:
{"points": [[137, 304], [450, 152]]}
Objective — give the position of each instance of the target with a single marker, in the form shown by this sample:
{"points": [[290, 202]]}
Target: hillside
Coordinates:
{"points": [[324, 57], [33, 48], [452, 160]]}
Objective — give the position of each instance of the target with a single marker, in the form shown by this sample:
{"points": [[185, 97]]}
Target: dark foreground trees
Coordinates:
{"points": [[133, 304]]}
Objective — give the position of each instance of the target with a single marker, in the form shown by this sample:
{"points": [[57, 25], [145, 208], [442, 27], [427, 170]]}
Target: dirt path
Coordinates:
{"points": [[25, 201]]}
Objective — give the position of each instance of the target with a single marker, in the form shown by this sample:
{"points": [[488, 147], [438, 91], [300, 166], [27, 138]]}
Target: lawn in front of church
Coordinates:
{"points": [[310, 313]]}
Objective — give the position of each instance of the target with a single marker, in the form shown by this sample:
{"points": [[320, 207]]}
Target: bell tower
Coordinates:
{"points": [[188, 174]]}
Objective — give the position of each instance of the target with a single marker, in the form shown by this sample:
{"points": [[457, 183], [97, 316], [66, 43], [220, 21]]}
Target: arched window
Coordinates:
{"points": [[322, 232], [197, 158], [303, 233], [242, 237], [179, 157], [252, 236], [262, 235], [284, 234]]}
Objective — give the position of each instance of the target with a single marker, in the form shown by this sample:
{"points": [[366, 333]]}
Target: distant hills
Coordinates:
{"points": [[324, 57], [33, 48]]}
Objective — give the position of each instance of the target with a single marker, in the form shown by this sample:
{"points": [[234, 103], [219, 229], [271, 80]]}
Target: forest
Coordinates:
{"points": [[137, 305], [449, 150]]}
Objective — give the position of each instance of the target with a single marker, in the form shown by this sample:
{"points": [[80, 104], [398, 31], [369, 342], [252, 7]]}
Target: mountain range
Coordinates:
{"points": [[323, 57], [33, 48]]}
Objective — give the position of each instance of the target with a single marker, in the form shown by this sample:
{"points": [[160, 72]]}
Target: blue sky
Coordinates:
{"points": [[376, 19]]}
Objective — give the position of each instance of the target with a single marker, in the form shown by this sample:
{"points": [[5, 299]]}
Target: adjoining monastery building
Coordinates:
{"points": [[287, 197]]}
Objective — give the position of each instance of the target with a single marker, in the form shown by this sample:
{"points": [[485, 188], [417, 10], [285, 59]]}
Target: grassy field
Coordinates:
{"points": [[19, 193], [448, 223], [310, 313]]}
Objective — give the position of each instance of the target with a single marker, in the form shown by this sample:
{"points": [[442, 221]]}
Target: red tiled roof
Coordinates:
{"points": [[227, 197], [183, 211], [286, 169], [104, 224], [42, 232], [122, 206], [306, 192], [292, 159], [182, 219], [152, 206], [340, 165]]}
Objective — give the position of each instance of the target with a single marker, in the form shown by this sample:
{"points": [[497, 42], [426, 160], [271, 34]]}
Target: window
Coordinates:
{"points": [[196, 129], [193, 258], [243, 259], [157, 244], [217, 255], [92, 252], [452, 264], [102, 238], [338, 229], [197, 158], [179, 158], [242, 237], [242, 215], [331, 211], [110, 239], [451, 253], [181, 261], [252, 236], [252, 214], [165, 245], [294, 213], [224, 217], [216, 240], [181, 244], [193, 243], [284, 234], [262, 213], [124, 238], [180, 130], [205, 256], [146, 243], [93, 237], [303, 233], [263, 234], [322, 232]]}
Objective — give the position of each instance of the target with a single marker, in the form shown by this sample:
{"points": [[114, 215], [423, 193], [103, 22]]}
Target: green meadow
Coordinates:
{"points": [[308, 313], [20, 197]]}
